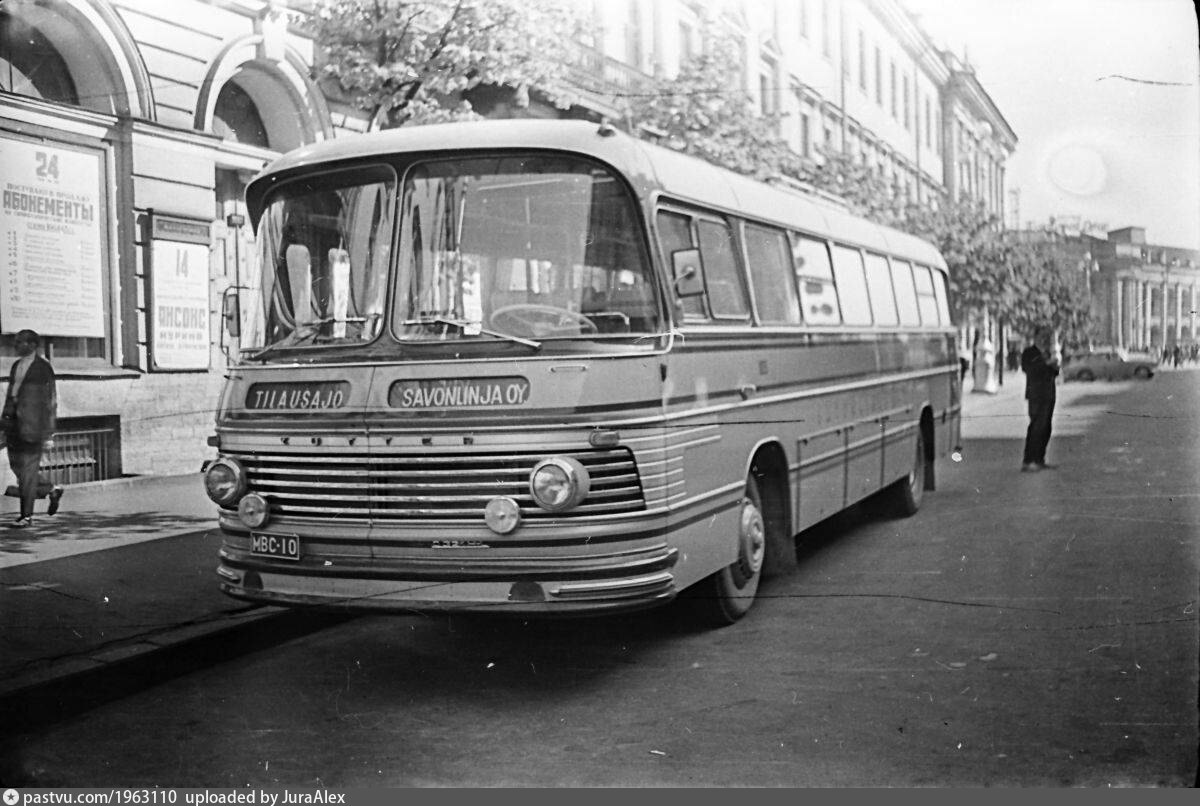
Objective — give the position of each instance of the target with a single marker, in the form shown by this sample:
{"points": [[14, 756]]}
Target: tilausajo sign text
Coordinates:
{"points": [[301, 395]]}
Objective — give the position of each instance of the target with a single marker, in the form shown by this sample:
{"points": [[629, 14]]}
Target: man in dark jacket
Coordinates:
{"points": [[1039, 362], [29, 419]]}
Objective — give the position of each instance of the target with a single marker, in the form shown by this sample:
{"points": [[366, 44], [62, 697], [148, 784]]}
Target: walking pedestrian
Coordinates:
{"points": [[1039, 362], [28, 421]]}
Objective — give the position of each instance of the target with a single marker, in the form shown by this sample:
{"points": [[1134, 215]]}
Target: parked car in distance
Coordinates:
{"points": [[1109, 363]]}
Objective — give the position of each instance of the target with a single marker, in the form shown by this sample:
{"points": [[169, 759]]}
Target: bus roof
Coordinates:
{"points": [[649, 168]]}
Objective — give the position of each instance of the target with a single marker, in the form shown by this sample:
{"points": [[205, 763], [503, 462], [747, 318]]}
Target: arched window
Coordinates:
{"points": [[31, 65], [236, 117]]}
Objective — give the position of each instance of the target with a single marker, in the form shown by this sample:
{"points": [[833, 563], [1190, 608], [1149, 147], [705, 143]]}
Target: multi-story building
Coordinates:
{"points": [[129, 128], [856, 76], [1143, 295]]}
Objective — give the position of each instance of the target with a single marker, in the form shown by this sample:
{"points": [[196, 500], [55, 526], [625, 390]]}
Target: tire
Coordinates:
{"points": [[724, 597], [1086, 375], [1143, 373], [905, 495]]}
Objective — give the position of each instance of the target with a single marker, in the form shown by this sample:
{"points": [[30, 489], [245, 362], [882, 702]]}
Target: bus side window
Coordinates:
{"points": [[767, 256], [926, 299], [879, 284], [675, 233], [939, 292], [814, 276], [906, 293], [852, 285], [726, 292]]}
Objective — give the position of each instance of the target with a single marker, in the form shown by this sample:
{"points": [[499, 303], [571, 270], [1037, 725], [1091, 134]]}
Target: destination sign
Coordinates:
{"points": [[303, 395], [459, 393]]}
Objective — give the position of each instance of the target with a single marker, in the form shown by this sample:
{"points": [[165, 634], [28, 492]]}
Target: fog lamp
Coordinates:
{"points": [[225, 481], [559, 483], [502, 515], [254, 510]]}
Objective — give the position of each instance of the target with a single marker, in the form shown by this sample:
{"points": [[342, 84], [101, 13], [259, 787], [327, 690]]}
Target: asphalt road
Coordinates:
{"points": [[1022, 629]]}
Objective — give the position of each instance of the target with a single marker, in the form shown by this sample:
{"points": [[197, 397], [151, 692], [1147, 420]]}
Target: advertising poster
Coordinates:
{"points": [[51, 219], [179, 305]]}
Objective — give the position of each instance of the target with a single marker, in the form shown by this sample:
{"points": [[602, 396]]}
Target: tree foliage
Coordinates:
{"points": [[703, 112], [411, 61]]}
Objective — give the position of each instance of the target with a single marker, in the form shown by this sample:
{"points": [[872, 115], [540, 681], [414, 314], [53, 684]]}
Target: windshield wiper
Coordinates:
{"points": [[303, 332], [462, 324]]}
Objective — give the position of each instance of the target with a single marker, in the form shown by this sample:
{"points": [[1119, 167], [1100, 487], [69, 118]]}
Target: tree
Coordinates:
{"points": [[413, 61], [1048, 288], [865, 190], [980, 260], [703, 112]]}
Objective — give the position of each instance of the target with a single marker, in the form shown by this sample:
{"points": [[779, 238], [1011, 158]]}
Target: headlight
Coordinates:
{"points": [[225, 481], [558, 483], [254, 510]]}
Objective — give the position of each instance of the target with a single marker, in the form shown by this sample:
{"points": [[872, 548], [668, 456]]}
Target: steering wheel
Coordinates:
{"points": [[525, 319]]}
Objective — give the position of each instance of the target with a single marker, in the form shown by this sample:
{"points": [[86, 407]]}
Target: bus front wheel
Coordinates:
{"points": [[725, 596]]}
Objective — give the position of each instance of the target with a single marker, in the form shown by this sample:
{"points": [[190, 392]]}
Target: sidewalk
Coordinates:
{"points": [[125, 569]]}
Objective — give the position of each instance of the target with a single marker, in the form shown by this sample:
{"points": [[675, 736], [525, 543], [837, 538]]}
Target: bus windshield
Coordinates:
{"points": [[324, 249], [523, 248]]}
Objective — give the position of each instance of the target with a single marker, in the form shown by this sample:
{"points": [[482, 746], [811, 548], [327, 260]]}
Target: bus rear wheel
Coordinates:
{"points": [[725, 596]]}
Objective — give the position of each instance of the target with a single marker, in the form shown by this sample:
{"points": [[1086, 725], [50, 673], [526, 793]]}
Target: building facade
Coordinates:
{"points": [[858, 77], [1144, 296], [129, 129]]}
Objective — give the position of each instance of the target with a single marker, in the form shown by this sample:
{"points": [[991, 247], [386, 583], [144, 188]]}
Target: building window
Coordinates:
{"points": [[928, 134], [236, 118], [907, 108], [685, 42], [878, 76], [767, 83], [825, 14], [633, 36], [31, 65], [862, 61], [937, 130], [805, 136], [892, 71]]}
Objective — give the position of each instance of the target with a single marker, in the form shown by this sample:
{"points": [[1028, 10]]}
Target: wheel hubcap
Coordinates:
{"points": [[752, 540]]}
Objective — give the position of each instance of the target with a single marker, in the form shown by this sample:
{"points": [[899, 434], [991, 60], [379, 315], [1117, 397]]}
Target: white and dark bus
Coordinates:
{"points": [[542, 367]]}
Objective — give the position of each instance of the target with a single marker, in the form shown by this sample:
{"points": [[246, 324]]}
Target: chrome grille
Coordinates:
{"points": [[389, 486]]}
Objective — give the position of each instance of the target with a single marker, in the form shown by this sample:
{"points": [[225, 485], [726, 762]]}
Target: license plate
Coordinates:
{"points": [[285, 547]]}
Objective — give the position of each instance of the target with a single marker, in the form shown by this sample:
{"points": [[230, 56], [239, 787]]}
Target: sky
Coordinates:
{"points": [[1104, 97]]}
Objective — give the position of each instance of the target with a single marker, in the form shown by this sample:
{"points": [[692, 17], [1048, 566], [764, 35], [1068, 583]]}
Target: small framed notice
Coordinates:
{"points": [[178, 309]]}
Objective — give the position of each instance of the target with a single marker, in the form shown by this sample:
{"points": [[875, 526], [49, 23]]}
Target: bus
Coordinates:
{"points": [[544, 367]]}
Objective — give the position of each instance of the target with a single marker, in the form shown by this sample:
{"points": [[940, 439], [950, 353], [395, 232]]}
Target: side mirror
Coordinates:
{"points": [[689, 277], [231, 311]]}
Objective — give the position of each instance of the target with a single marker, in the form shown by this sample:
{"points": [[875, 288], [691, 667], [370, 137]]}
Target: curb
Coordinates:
{"points": [[67, 685]]}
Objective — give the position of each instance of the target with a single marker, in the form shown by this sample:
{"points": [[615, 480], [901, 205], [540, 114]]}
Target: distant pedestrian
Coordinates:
{"points": [[1039, 362], [28, 421], [1177, 355]]}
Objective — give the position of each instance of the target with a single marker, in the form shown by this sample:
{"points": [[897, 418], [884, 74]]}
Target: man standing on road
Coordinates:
{"points": [[1039, 362], [28, 420]]}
